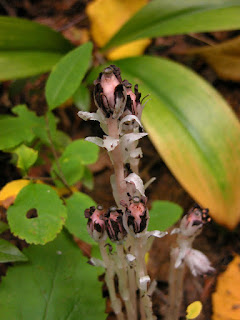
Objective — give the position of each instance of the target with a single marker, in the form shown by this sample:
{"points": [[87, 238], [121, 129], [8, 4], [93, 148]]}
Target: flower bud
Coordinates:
{"points": [[96, 223], [137, 215], [109, 94], [114, 224]]}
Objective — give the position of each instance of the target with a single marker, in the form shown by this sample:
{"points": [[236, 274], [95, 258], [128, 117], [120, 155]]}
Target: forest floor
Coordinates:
{"points": [[216, 242]]}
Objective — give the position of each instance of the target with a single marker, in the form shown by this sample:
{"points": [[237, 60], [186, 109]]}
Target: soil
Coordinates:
{"points": [[215, 241]]}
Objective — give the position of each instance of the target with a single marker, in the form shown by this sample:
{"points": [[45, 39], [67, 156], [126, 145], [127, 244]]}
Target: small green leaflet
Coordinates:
{"points": [[26, 157]]}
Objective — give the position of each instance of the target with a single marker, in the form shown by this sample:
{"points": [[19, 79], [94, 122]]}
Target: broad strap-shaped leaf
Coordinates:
{"points": [[37, 214], [56, 283], [28, 48], [163, 215], [23, 34], [67, 75], [164, 18], [194, 130], [21, 64], [10, 253]]}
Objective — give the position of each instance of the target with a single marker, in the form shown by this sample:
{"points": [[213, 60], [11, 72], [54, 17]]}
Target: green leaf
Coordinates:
{"points": [[81, 98], [164, 18], [37, 214], [163, 215], [26, 157], [22, 34], [194, 130], [3, 227], [21, 64], [87, 178], [67, 75], [76, 223], [10, 253], [76, 155], [16, 130], [56, 283]]}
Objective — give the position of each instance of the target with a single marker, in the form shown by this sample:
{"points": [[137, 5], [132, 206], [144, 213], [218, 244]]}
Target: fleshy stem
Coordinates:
{"points": [[109, 277], [176, 277]]}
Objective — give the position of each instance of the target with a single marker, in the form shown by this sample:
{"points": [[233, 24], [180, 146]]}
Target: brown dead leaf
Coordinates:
{"points": [[224, 58], [226, 299], [106, 18]]}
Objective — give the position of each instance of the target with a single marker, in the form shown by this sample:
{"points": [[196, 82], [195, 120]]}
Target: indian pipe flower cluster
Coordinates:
{"points": [[190, 227]]}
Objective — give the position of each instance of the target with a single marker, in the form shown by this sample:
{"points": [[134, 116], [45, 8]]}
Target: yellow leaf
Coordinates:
{"points": [[226, 299], [10, 191], [193, 310], [106, 18], [224, 58]]}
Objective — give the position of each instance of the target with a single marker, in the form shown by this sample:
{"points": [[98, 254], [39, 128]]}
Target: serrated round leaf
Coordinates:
{"points": [[56, 283], [67, 75], [47, 220], [76, 223], [194, 130], [164, 18], [163, 215], [10, 253]]}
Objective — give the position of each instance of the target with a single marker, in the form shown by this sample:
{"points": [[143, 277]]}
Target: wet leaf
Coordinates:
{"points": [[194, 130], [224, 58], [163, 215], [10, 253], [10, 191], [67, 75], [55, 282], [226, 299], [107, 16], [162, 18], [194, 310], [37, 214]]}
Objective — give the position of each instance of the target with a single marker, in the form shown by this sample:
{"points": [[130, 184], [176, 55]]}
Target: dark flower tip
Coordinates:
{"points": [[96, 223], [114, 224]]}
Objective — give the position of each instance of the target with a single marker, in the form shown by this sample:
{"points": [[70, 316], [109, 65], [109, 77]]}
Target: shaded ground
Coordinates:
{"points": [[215, 241]]}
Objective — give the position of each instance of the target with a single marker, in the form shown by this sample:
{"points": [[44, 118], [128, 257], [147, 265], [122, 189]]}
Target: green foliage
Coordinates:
{"points": [[52, 285], [28, 48], [67, 75], [74, 158], [164, 18], [26, 157], [163, 215], [81, 98], [10, 253], [205, 164], [76, 222], [3, 227], [49, 214]]}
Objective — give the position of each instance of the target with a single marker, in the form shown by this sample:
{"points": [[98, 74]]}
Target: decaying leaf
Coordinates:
{"points": [[224, 58], [10, 191], [226, 299], [107, 16]]}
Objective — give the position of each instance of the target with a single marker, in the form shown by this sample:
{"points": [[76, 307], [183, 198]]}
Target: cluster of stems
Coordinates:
{"points": [[125, 224]]}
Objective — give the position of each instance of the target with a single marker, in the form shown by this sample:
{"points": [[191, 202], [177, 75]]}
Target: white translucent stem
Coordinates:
{"points": [[109, 278], [176, 277]]}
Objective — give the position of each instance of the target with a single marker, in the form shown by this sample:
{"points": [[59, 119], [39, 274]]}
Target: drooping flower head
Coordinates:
{"points": [[114, 224], [96, 223]]}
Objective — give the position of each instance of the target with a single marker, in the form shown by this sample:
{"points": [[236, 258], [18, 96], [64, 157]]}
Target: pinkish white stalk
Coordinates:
{"points": [[184, 255]]}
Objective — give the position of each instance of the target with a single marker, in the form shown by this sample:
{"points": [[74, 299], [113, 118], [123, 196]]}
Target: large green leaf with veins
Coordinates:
{"points": [[56, 283]]}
